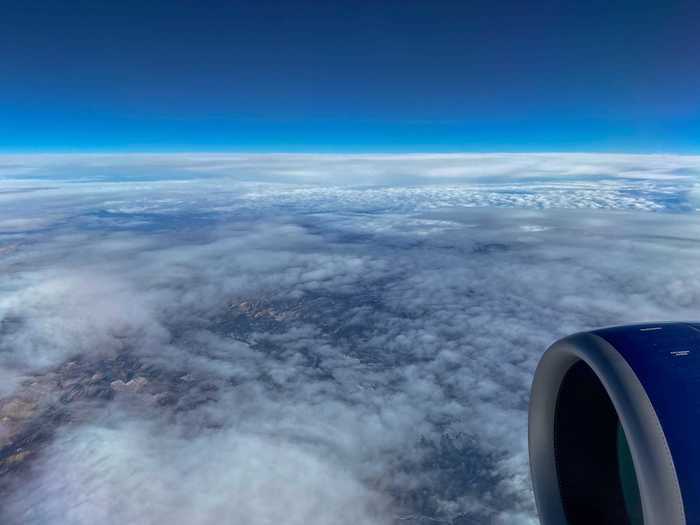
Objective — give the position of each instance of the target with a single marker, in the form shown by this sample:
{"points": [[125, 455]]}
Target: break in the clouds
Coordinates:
{"points": [[309, 339]]}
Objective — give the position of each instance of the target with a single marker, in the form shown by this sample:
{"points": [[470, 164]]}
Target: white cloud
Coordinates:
{"points": [[133, 473], [375, 346]]}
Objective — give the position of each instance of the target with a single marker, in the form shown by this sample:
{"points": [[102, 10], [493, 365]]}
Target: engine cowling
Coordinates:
{"points": [[614, 427]]}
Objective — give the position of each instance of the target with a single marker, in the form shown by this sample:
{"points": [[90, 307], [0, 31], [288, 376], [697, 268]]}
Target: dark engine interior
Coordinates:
{"points": [[595, 470]]}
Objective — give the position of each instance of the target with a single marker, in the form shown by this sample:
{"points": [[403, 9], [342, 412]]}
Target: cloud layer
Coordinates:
{"points": [[309, 339]]}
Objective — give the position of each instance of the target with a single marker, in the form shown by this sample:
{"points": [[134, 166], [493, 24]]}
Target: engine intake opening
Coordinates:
{"points": [[595, 471]]}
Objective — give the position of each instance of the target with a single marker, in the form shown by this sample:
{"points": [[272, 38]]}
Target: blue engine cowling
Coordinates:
{"points": [[614, 427]]}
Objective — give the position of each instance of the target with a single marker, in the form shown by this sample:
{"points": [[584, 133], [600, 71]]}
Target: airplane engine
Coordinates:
{"points": [[614, 427]]}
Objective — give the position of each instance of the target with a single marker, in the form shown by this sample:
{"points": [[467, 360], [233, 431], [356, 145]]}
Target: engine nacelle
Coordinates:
{"points": [[614, 427]]}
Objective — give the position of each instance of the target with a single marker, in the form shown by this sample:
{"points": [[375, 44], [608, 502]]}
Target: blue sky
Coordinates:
{"points": [[350, 76]]}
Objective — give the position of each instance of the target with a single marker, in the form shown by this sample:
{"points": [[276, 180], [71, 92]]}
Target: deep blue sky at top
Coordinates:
{"points": [[350, 76]]}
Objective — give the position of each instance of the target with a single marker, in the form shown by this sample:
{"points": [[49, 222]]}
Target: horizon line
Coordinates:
{"points": [[135, 153]]}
